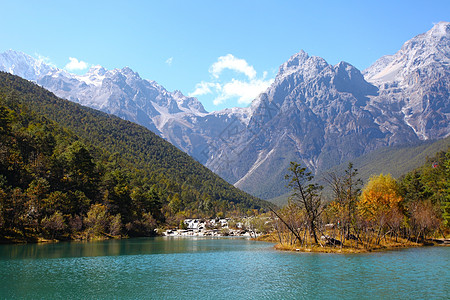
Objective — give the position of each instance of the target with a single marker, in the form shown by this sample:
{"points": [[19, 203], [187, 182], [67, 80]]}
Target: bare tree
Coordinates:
{"points": [[424, 218], [306, 195], [346, 190], [288, 223]]}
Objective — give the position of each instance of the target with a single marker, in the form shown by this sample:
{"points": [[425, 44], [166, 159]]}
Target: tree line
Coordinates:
{"points": [[68, 172]]}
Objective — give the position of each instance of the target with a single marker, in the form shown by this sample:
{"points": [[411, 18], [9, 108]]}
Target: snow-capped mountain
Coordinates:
{"points": [[414, 82], [323, 115], [121, 92], [124, 93], [23, 65], [314, 113], [181, 120]]}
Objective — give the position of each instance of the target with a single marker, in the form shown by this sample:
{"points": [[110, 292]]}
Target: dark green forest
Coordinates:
{"points": [[429, 187], [71, 172]]}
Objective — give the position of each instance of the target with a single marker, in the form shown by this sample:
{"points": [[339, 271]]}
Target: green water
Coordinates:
{"points": [[190, 268]]}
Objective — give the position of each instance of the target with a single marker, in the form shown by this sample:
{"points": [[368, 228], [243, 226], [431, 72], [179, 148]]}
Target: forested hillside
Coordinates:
{"points": [[69, 171], [394, 160]]}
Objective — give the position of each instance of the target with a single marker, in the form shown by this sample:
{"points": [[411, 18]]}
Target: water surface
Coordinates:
{"points": [[200, 268]]}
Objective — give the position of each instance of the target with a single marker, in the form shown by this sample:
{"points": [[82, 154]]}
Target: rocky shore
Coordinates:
{"points": [[212, 227], [209, 232]]}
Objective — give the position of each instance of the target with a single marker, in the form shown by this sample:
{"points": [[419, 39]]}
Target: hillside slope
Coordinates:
{"points": [[142, 150], [394, 160]]}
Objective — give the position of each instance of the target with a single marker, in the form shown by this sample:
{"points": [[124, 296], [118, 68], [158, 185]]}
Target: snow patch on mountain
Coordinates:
{"points": [[421, 51], [23, 65], [415, 82]]}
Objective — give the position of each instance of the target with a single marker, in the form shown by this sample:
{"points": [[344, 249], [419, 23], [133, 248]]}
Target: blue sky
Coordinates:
{"points": [[223, 52]]}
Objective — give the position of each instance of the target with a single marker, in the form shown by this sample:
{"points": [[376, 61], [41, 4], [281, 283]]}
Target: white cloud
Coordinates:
{"points": [[204, 88], [219, 100], [244, 89], [76, 65], [169, 61], [230, 62]]}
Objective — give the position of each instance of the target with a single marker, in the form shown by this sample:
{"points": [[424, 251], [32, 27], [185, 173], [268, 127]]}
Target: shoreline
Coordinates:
{"points": [[261, 238], [352, 250], [209, 233], [348, 250]]}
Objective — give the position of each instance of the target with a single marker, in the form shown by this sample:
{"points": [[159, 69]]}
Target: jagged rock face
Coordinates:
{"points": [[125, 94], [314, 113], [414, 83], [23, 65], [322, 115]]}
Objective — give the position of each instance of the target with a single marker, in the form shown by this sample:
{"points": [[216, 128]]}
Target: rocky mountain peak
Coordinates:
{"points": [[302, 64], [440, 29], [415, 82], [128, 72], [97, 70], [426, 43], [188, 103], [178, 94], [344, 69], [422, 51], [349, 79], [23, 65], [294, 62]]}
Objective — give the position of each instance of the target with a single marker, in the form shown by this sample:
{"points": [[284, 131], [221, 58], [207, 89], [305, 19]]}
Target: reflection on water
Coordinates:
{"points": [[174, 268], [113, 248]]}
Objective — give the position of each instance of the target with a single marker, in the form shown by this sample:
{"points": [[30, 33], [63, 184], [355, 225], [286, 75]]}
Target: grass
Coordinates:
{"points": [[348, 247]]}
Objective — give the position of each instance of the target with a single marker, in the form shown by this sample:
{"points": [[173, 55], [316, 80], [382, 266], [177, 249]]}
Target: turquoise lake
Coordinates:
{"points": [[200, 268]]}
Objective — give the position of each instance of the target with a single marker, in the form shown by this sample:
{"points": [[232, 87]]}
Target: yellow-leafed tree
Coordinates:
{"points": [[379, 203]]}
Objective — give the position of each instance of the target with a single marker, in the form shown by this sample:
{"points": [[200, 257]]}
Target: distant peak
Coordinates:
{"points": [[344, 64], [97, 69], [24, 65], [11, 51], [293, 63], [129, 72], [178, 93], [440, 29], [297, 58], [302, 62], [347, 67], [17, 54]]}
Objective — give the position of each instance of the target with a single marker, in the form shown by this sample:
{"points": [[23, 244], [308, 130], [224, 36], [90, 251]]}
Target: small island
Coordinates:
{"points": [[385, 214]]}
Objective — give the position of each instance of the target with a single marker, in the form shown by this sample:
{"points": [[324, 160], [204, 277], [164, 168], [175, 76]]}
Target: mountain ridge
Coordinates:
{"points": [[315, 113]]}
